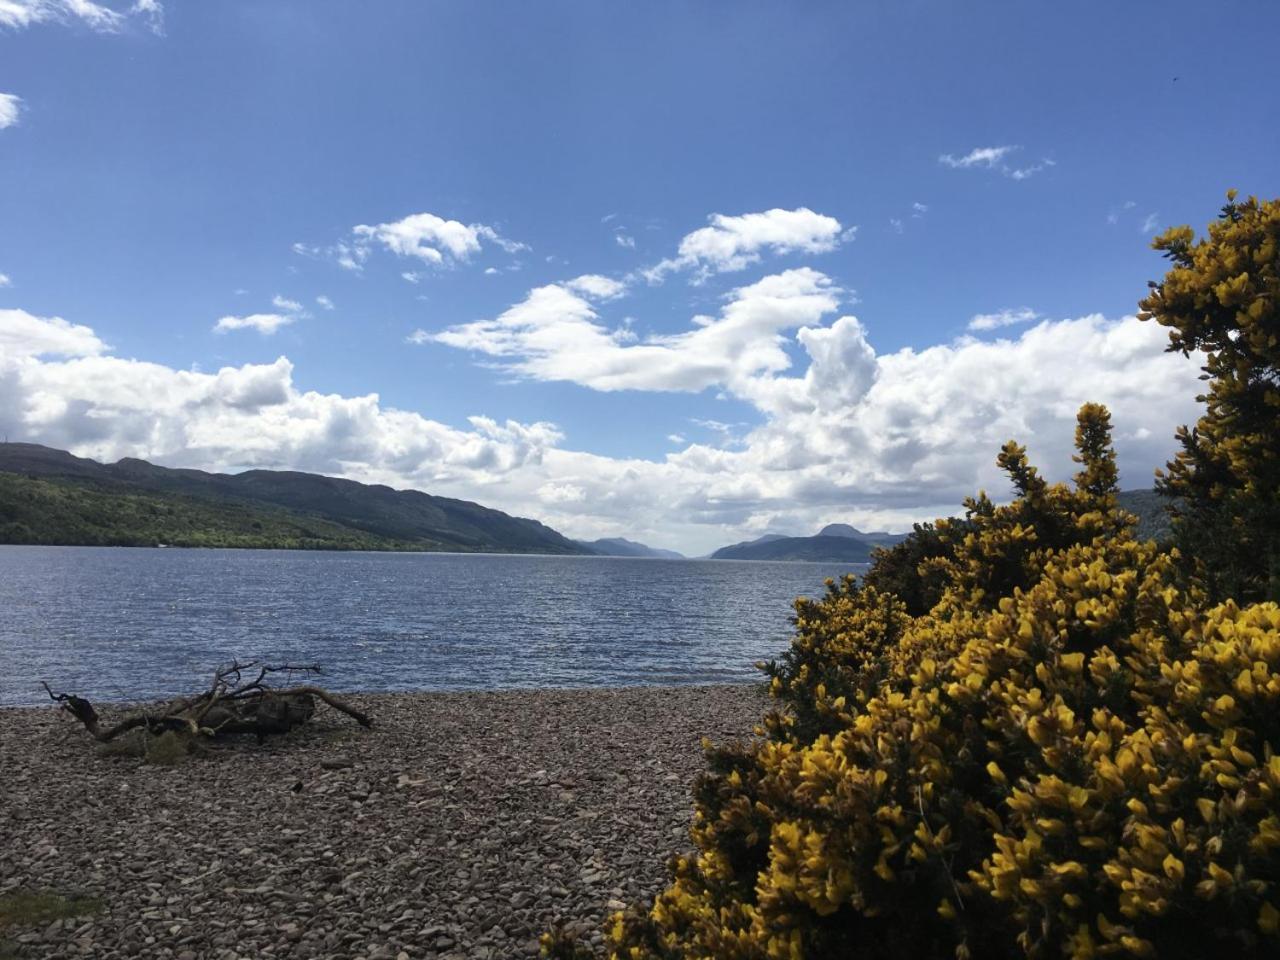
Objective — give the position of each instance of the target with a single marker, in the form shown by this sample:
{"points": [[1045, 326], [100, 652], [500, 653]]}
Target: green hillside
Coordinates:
{"points": [[59, 511], [50, 496]]}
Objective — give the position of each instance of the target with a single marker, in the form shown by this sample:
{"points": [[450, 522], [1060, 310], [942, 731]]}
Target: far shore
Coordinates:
{"points": [[463, 825]]}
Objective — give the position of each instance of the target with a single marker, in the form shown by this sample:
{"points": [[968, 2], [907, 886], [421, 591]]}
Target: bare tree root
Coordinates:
{"points": [[231, 705]]}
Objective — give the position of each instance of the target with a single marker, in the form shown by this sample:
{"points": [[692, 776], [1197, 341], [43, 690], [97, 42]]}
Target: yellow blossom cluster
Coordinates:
{"points": [[1221, 302], [1071, 754]]}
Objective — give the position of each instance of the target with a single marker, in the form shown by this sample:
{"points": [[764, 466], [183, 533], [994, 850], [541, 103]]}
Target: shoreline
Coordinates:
{"points": [[123, 707], [465, 825]]}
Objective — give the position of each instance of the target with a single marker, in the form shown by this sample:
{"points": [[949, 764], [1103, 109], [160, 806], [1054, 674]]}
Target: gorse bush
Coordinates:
{"points": [[1026, 733], [1222, 296], [1069, 755]]}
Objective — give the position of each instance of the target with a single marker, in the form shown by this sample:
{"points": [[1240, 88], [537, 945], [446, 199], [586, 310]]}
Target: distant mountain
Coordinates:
{"points": [[745, 544], [75, 500], [879, 538], [833, 549], [842, 543], [618, 547], [835, 543]]}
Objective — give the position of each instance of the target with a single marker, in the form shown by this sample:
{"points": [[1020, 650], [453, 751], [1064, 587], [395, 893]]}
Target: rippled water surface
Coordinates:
{"points": [[114, 623]]}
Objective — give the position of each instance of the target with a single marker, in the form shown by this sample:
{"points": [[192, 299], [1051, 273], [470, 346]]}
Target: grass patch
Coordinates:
{"points": [[169, 749], [166, 750], [38, 908]]}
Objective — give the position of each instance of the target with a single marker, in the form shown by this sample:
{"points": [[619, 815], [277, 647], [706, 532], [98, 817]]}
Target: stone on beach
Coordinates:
{"points": [[463, 825]]}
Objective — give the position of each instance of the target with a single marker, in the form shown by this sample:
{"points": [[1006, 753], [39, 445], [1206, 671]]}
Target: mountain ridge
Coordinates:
{"points": [[622, 547], [835, 542], [374, 515]]}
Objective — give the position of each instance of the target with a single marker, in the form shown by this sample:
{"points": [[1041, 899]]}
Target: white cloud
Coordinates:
{"points": [[5, 281], [152, 11], [433, 240], [730, 244], [10, 106], [251, 416], [989, 157], [624, 241], [324, 302], [896, 224], [1023, 173], [994, 158], [24, 335], [265, 323], [1002, 318], [850, 434], [900, 436], [556, 334], [284, 303], [597, 287], [919, 209], [1150, 223], [17, 14], [677, 438]]}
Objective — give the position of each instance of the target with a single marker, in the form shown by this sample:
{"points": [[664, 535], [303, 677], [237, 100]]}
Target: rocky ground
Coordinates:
{"points": [[463, 825]]}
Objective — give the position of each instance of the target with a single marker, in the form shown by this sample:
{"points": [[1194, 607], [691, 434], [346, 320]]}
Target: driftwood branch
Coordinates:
{"points": [[231, 705]]}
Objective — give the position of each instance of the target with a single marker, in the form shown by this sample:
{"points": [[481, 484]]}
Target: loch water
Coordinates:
{"points": [[131, 624]]}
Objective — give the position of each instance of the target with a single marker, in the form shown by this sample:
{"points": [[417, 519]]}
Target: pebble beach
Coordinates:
{"points": [[461, 825]]}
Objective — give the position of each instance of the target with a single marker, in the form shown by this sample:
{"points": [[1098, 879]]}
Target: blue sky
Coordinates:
{"points": [[161, 167]]}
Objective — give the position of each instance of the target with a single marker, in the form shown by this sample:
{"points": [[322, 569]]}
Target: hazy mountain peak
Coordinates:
{"points": [[840, 530]]}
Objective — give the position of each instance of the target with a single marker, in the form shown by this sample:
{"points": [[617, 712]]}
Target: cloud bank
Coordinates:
{"points": [[843, 433]]}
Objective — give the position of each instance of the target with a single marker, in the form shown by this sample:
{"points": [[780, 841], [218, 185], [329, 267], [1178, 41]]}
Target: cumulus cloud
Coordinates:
{"points": [[17, 14], [729, 244], [4, 280], [994, 158], [598, 287], [284, 303], [25, 335], [10, 107], [555, 333], [898, 436], [1002, 318], [265, 323], [433, 240], [324, 302], [250, 416], [841, 431]]}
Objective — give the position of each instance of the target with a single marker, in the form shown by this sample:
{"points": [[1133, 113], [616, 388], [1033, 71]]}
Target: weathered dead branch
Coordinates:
{"points": [[231, 705]]}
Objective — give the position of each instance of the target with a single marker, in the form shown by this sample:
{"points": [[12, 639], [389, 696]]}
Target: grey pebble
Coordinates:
{"points": [[460, 825]]}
